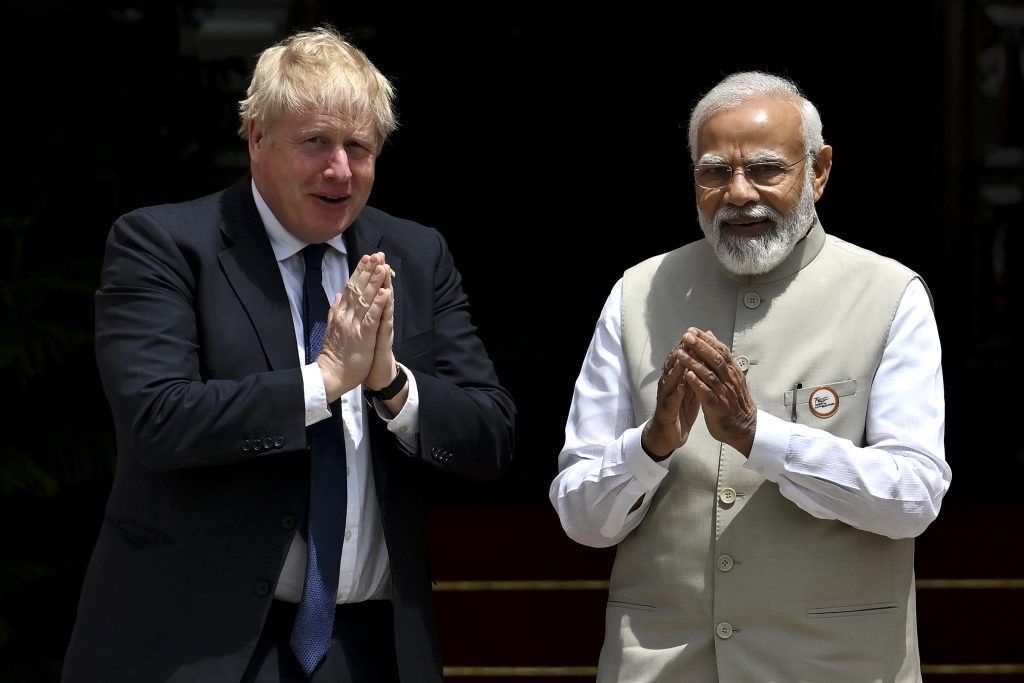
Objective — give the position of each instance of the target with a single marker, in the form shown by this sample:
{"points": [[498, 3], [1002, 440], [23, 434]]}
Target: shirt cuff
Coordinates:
{"points": [[645, 470], [771, 446], [315, 394], [406, 424]]}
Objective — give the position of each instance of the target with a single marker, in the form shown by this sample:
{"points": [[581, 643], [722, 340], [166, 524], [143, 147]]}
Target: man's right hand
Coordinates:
{"points": [[676, 410], [352, 329]]}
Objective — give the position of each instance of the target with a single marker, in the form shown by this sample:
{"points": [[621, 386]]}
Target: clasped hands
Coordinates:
{"points": [[361, 331], [700, 373]]}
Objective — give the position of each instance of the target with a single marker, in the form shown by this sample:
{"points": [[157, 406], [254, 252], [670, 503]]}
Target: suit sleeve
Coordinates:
{"points": [[166, 411], [466, 416]]}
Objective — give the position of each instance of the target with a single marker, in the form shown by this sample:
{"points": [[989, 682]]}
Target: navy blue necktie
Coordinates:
{"points": [[314, 623]]}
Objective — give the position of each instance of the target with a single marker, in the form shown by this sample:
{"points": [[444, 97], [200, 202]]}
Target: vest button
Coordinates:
{"points": [[751, 299], [724, 563], [724, 630], [727, 496], [261, 588], [288, 522], [743, 362]]}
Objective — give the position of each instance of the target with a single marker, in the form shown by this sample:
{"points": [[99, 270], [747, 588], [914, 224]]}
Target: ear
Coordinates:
{"points": [[822, 167], [256, 137]]}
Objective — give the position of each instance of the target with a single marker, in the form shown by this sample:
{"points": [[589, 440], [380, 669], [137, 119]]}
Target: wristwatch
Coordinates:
{"points": [[391, 390]]}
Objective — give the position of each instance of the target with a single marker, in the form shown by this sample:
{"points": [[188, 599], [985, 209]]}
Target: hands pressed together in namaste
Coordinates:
{"points": [[701, 374], [360, 331]]}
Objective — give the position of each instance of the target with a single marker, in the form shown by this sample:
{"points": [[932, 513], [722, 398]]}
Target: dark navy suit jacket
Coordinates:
{"points": [[197, 353]]}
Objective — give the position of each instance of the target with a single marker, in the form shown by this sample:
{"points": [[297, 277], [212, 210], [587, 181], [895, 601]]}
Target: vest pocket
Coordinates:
{"points": [[869, 609], [846, 387]]}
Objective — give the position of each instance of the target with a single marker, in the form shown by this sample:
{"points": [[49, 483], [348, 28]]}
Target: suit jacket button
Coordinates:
{"points": [[262, 588], [278, 441], [245, 445], [268, 443], [257, 445], [288, 522]]}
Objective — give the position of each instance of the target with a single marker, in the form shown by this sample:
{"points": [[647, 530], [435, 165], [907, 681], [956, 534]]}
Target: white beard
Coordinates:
{"points": [[758, 255]]}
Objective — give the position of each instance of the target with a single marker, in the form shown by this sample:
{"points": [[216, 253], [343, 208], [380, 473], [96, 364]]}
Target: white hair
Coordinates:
{"points": [[740, 88]]}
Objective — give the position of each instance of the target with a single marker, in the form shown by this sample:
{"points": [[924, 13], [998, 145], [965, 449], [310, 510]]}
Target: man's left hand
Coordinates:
{"points": [[384, 367]]}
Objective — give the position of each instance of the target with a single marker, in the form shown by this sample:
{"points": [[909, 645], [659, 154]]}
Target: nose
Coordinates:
{"points": [[337, 165], [740, 191]]}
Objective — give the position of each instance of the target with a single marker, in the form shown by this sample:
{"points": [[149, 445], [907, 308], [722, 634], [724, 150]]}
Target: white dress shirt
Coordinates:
{"points": [[365, 571], [893, 486]]}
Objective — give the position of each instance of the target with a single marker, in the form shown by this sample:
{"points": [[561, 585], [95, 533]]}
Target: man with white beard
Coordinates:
{"points": [[771, 540]]}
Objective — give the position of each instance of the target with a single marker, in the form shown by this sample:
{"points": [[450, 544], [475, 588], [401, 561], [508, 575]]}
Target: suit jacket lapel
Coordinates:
{"points": [[249, 264]]}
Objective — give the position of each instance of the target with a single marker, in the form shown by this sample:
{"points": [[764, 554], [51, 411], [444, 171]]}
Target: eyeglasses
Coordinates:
{"points": [[761, 173]]}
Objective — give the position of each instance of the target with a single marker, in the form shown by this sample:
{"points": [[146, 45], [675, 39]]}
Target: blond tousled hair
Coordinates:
{"points": [[318, 71]]}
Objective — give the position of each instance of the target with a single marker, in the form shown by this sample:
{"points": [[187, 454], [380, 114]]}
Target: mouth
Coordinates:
{"points": [[748, 227], [332, 199]]}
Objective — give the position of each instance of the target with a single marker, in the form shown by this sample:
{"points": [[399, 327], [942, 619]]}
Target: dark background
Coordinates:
{"points": [[549, 147]]}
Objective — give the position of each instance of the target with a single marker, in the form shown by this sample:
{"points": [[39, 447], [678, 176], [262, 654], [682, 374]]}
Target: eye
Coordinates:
{"points": [[357, 148], [712, 175], [765, 173], [715, 172], [315, 140]]}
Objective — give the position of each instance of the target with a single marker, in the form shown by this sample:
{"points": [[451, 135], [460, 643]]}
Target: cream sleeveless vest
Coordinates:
{"points": [[725, 579]]}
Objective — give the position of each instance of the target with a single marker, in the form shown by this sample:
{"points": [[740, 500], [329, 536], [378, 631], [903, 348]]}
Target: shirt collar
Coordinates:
{"points": [[285, 244]]}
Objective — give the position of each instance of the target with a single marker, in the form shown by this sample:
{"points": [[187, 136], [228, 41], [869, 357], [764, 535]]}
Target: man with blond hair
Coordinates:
{"points": [[284, 365], [758, 426]]}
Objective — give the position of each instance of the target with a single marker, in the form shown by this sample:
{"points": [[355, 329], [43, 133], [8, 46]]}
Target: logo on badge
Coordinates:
{"points": [[823, 402]]}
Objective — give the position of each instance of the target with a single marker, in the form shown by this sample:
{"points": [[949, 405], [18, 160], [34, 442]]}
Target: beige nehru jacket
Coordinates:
{"points": [[725, 579]]}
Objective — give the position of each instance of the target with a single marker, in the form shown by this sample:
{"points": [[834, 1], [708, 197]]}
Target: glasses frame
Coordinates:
{"points": [[744, 171]]}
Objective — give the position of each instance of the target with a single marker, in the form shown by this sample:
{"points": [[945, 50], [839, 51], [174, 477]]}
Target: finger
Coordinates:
{"points": [[364, 270], [361, 297], [716, 358], [701, 390], [689, 406], [378, 274], [696, 365], [670, 362], [672, 373], [361, 273], [354, 299], [336, 309], [711, 340], [372, 317], [385, 330], [672, 390]]}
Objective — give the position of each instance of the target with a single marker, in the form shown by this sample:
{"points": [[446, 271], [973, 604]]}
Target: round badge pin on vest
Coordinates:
{"points": [[823, 402]]}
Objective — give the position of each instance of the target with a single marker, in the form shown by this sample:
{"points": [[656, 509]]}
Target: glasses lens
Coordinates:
{"points": [[712, 176], [765, 174]]}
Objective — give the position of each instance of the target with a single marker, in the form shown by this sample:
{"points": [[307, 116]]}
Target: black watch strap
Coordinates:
{"points": [[391, 390]]}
